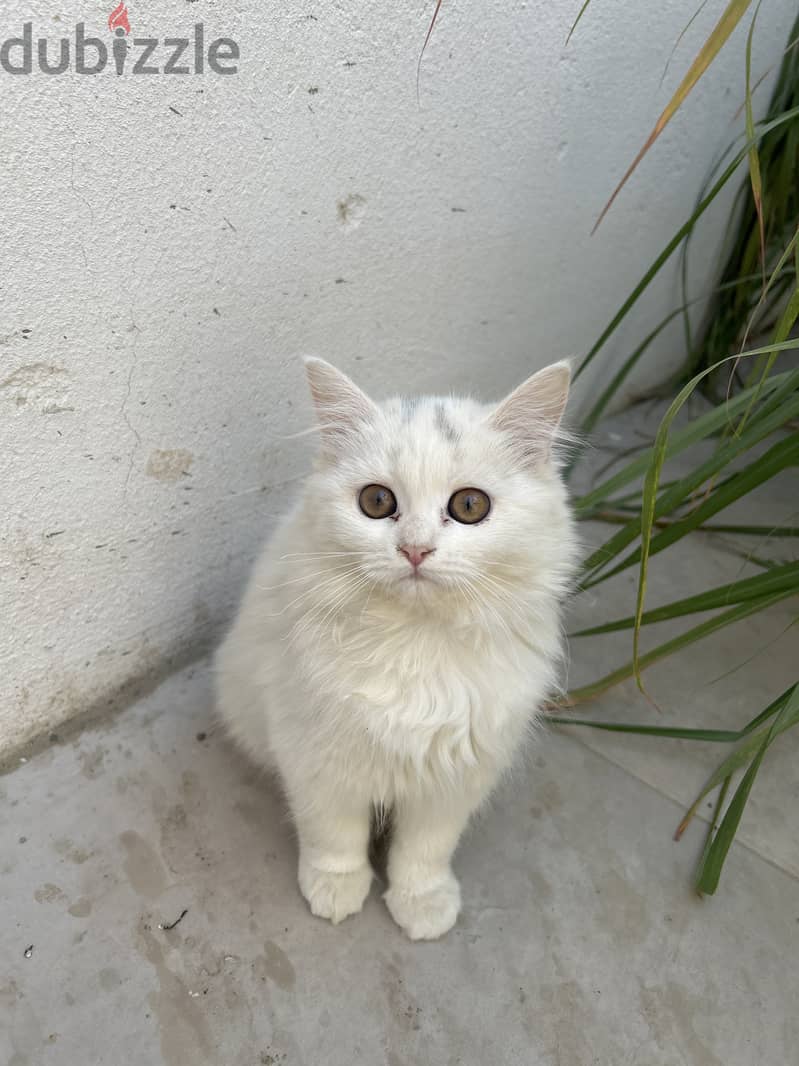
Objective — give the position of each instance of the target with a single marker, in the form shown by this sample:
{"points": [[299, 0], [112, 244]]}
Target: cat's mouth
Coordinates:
{"points": [[417, 575], [418, 578]]}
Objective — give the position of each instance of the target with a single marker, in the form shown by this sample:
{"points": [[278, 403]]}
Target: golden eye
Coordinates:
{"points": [[469, 506], [376, 501]]}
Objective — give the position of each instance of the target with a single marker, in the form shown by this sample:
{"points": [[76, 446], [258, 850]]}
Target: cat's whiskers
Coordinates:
{"points": [[322, 619], [526, 603], [510, 592], [481, 605], [493, 586], [365, 607], [351, 584], [303, 577], [484, 583], [318, 555], [320, 587], [343, 600], [496, 564]]}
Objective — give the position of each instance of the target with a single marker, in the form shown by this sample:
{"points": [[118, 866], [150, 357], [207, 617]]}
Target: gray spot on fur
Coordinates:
{"points": [[443, 424], [410, 405]]}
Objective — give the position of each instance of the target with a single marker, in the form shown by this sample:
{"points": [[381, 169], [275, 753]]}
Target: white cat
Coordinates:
{"points": [[401, 631]]}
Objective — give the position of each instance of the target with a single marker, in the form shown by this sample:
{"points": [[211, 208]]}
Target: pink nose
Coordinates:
{"points": [[415, 554]]}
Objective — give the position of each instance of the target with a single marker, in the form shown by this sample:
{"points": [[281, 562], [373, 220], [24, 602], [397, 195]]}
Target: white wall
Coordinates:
{"points": [[174, 244]]}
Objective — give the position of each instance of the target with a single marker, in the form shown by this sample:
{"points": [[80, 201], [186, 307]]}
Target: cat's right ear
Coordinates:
{"points": [[341, 407]]}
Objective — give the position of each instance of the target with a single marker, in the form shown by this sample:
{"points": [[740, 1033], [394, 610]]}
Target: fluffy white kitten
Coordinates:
{"points": [[401, 631]]}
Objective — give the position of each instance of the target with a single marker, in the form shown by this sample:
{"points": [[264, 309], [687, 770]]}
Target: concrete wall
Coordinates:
{"points": [[172, 245]]}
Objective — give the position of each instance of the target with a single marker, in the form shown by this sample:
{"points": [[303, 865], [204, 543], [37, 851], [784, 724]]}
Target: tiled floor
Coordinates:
{"points": [[580, 943]]}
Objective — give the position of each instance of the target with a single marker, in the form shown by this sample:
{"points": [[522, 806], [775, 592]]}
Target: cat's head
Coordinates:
{"points": [[435, 497]]}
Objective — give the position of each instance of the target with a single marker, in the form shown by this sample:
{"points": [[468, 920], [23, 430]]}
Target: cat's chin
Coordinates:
{"points": [[419, 588]]}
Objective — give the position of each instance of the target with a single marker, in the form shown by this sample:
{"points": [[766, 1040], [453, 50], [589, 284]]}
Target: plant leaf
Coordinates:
{"points": [[650, 491], [740, 756], [713, 860], [714, 822], [782, 455], [730, 18], [429, 34], [768, 419], [580, 14], [784, 324], [754, 159], [704, 629], [731, 169], [699, 429], [683, 32], [724, 736], [780, 577], [607, 394]]}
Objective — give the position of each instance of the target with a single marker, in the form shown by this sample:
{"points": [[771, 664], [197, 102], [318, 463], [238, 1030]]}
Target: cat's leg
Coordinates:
{"points": [[334, 871], [424, 896]]}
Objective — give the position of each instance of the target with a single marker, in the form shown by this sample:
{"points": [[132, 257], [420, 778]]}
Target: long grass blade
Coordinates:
{"points": [[721, 736], [713, 857], [713, 861], [750, 588], [620, 516], [681, 490], [613, 386], [429, 34], [730, 18], [781, 456], [755, 176], [706, 425], [740, 756], [650, 490], [683, 32], [714, 822], [662, 651], [784, 323], [710, 736], [731, 169], [580, 14]]}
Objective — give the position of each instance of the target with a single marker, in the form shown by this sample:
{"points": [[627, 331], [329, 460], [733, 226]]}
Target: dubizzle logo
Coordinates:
{"points": [[130, 55], [118, 20]]}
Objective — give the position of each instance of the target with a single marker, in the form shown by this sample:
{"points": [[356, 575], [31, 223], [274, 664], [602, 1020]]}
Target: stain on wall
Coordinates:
{"points": [[169, 466], [37, 385]]}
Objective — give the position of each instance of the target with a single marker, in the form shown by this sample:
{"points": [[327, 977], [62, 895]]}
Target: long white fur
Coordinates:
{"points": [[366, 688]]}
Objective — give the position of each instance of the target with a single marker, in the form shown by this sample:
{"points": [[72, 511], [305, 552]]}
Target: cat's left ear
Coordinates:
{"points": [[532, 413], [341, 407]]}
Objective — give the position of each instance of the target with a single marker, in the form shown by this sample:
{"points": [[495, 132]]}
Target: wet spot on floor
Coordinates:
{"points": [[669, 1010], [274, 965], [81, 908], [550, 796], [91, 762], [109, 978], [143, 867], [182, 1027], [542, 890], [622, 910], [48, 893], [68, 850]]}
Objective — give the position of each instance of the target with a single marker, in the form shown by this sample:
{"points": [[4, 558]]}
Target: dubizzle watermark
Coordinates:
{"points": [[123, 54]]}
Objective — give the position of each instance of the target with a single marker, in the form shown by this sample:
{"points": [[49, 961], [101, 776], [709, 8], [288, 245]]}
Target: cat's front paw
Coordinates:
{"points": [[428, 914], [334, 895]]}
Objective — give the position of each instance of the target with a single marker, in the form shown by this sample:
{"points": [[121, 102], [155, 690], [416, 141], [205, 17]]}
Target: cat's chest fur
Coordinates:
{"points": [[426, 699]]}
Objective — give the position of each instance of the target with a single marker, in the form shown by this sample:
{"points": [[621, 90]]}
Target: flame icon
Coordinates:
{"points": [[118, 19]]}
